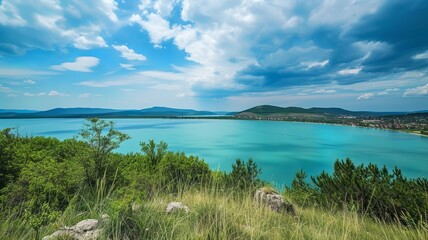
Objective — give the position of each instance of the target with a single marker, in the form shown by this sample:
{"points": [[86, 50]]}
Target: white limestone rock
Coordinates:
{"points": [[176, 206]]}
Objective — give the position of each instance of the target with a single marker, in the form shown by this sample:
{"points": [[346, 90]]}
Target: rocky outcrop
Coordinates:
{"points": [[176, 206], [89, 229], [274, 201]]}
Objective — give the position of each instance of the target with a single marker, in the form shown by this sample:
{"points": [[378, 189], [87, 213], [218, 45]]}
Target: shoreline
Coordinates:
{"points": [[339, 124], [221, 118]]}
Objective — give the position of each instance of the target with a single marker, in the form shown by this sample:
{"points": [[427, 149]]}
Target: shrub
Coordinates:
{"points": [[244, 175], [301, 191], [177, 168], [154, 152], [375, 192]]}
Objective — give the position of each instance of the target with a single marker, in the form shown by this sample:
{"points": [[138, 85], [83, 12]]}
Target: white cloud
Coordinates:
{"points": [[310, 65], [108, 7], [29, 81], [365, 96], [392, 89], [144, 78], [161, 7], [226, 37], [417, 91], [421, 56], [186, 94], [344, 12], [128, 53], [5, 89], [157, 27], [81, 64], [88, 42], [56, 94], [34, 94], [9, 15], [350, 71], [52, 24], [387, 91], [86, 95], [297, 57], [127, 66], [22, 72], [324, 91], [12, 95]]}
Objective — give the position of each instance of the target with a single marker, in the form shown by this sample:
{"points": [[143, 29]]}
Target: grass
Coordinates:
{"points": [[216, 214]]}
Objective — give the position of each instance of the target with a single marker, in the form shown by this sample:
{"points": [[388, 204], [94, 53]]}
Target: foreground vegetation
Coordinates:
{"points": [[46, 184]]}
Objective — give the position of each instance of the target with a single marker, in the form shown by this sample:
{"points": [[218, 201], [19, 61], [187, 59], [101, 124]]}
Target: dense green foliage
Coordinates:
{"points": [[102, 139], [244, 175], [44, 180], [368, 189], [42, 177]]}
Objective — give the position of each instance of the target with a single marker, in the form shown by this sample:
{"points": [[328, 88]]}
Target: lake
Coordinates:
{"points": [[279, 148]]}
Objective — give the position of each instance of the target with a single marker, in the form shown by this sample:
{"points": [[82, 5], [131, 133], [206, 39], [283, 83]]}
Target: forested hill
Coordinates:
{"points": [[274, 111], [104, 113]]}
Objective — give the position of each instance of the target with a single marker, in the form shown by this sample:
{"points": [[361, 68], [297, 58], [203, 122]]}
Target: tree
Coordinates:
{"points": [[9, 169], [102, 138], [154, 151], [245, 175]]}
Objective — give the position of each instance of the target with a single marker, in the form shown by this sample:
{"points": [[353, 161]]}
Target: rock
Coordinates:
{"points": [[85, 225], [274, 200], [89, 229], [175, 206]]}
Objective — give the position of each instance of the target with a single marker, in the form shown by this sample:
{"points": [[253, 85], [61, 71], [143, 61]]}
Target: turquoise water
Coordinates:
{"points": [[279, 148]]}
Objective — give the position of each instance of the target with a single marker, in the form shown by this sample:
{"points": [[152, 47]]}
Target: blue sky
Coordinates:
{"points": [[214, 54]]}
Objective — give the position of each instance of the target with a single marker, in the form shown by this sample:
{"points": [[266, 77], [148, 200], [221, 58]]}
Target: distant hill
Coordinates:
{"points": [[106, 113], [16, 111], [274, 111], [264, 111], [159, 112], [69, 112], [420, 114], [10, 113]]}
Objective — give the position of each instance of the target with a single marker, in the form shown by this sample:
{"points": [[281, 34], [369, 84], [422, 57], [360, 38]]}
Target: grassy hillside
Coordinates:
{"points": [[217, 215], [46, 184]]}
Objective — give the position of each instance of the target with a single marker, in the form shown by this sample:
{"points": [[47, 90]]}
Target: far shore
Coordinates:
{"points": [[221, 117]]}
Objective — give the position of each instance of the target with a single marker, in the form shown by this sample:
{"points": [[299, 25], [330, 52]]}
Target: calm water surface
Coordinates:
{"points": [[279, 148]]}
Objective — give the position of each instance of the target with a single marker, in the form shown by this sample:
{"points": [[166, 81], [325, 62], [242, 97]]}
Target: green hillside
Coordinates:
{"points": [[47, 184], [268, 110], [265, 111]]}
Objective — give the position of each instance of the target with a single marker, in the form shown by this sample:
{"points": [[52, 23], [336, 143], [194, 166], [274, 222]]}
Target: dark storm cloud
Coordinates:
{"points": [[401, 24], [381, 43]]}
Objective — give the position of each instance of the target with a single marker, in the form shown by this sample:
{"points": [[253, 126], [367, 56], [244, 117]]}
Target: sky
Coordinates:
{"points": [[214, 54]]}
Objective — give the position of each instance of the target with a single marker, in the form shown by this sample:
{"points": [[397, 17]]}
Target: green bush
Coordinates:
{"points": [[168, 169], [374, 192], [301, 191], [154, 151], [244, 175], [177, 168]]}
